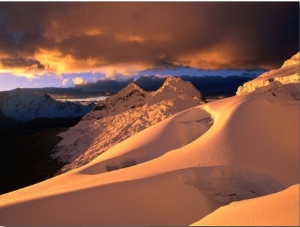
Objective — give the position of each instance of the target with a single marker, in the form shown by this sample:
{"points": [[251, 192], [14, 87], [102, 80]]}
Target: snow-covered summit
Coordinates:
{"points": [[274, 79], [127, 98], [292, 61], [123, 115], [25, 105], [177, 90]]}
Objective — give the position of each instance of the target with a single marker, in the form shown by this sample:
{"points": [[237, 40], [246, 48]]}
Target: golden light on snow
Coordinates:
{"points": [[227, 162]]}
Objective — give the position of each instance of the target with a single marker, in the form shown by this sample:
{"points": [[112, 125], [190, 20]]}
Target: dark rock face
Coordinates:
{"points": [[26, 146], [26, 149], [25, 159], [9, 125]]}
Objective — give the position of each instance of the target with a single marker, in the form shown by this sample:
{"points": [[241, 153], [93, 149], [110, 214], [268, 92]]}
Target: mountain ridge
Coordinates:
{"points": [[228, 162], [272, 80], [121, 116], [25, 105]]}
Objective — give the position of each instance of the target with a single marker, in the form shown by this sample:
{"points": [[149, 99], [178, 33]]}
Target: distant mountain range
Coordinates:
{"points": [[29, 110], [208, 85]]}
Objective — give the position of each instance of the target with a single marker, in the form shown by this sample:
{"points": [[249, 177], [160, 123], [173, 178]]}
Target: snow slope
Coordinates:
{"points": [[232, 161], [25, 105], [121, 116], [278, 209], [287, 74]]}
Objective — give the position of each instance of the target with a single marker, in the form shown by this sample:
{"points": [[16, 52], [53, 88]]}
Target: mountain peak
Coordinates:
{"points": [[293, 60], [129, 88], [177, 88], [122, 115], [173, 81], [129, 97], [128, 92]]}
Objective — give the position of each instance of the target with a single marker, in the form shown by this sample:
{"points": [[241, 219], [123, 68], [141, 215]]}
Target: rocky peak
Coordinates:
{"points": [[129, 97], [130, 88]]}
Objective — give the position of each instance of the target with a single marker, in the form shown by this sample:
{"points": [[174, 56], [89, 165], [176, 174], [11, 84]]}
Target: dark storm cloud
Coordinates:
{"points": [[22, 26], [147, 83], [21, 62], [106, 85], [150, 83], [154, 34]]}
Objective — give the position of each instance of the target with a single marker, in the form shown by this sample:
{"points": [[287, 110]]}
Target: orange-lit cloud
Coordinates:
{"points": [[216, 57], [28, 67], [78, 81], [59, 63], [124, 37]]}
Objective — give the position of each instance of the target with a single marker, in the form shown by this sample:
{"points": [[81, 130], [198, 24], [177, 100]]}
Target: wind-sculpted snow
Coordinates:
{"points": [[275, 209], [179, 197], [120, 117], [225, 184], [140, 202], [182, 130]]}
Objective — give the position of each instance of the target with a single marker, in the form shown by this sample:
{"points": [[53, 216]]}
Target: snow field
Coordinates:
{"points": [[146, 145], [230, 162], [278, 209]]}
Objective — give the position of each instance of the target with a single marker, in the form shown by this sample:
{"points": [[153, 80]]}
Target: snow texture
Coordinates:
{"points": [[233, 161], [273, 79], [121, 116]]}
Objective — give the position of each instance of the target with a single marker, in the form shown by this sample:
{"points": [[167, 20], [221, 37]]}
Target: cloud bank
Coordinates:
{"points": [[122, 38]]}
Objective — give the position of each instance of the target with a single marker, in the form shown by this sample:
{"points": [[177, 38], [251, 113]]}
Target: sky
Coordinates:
{"points": [[63, 44]]}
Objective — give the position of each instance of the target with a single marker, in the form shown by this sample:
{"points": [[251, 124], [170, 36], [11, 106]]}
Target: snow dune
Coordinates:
{"points": [[170, 134], [230, 162]]}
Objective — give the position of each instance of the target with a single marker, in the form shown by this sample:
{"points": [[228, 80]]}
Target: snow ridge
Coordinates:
{"points": [[25, 105], [121, 116], [292, 61], [274, 79]]}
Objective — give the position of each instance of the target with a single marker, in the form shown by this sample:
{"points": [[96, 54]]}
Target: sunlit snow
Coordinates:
{"points": [[233, 161]]}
